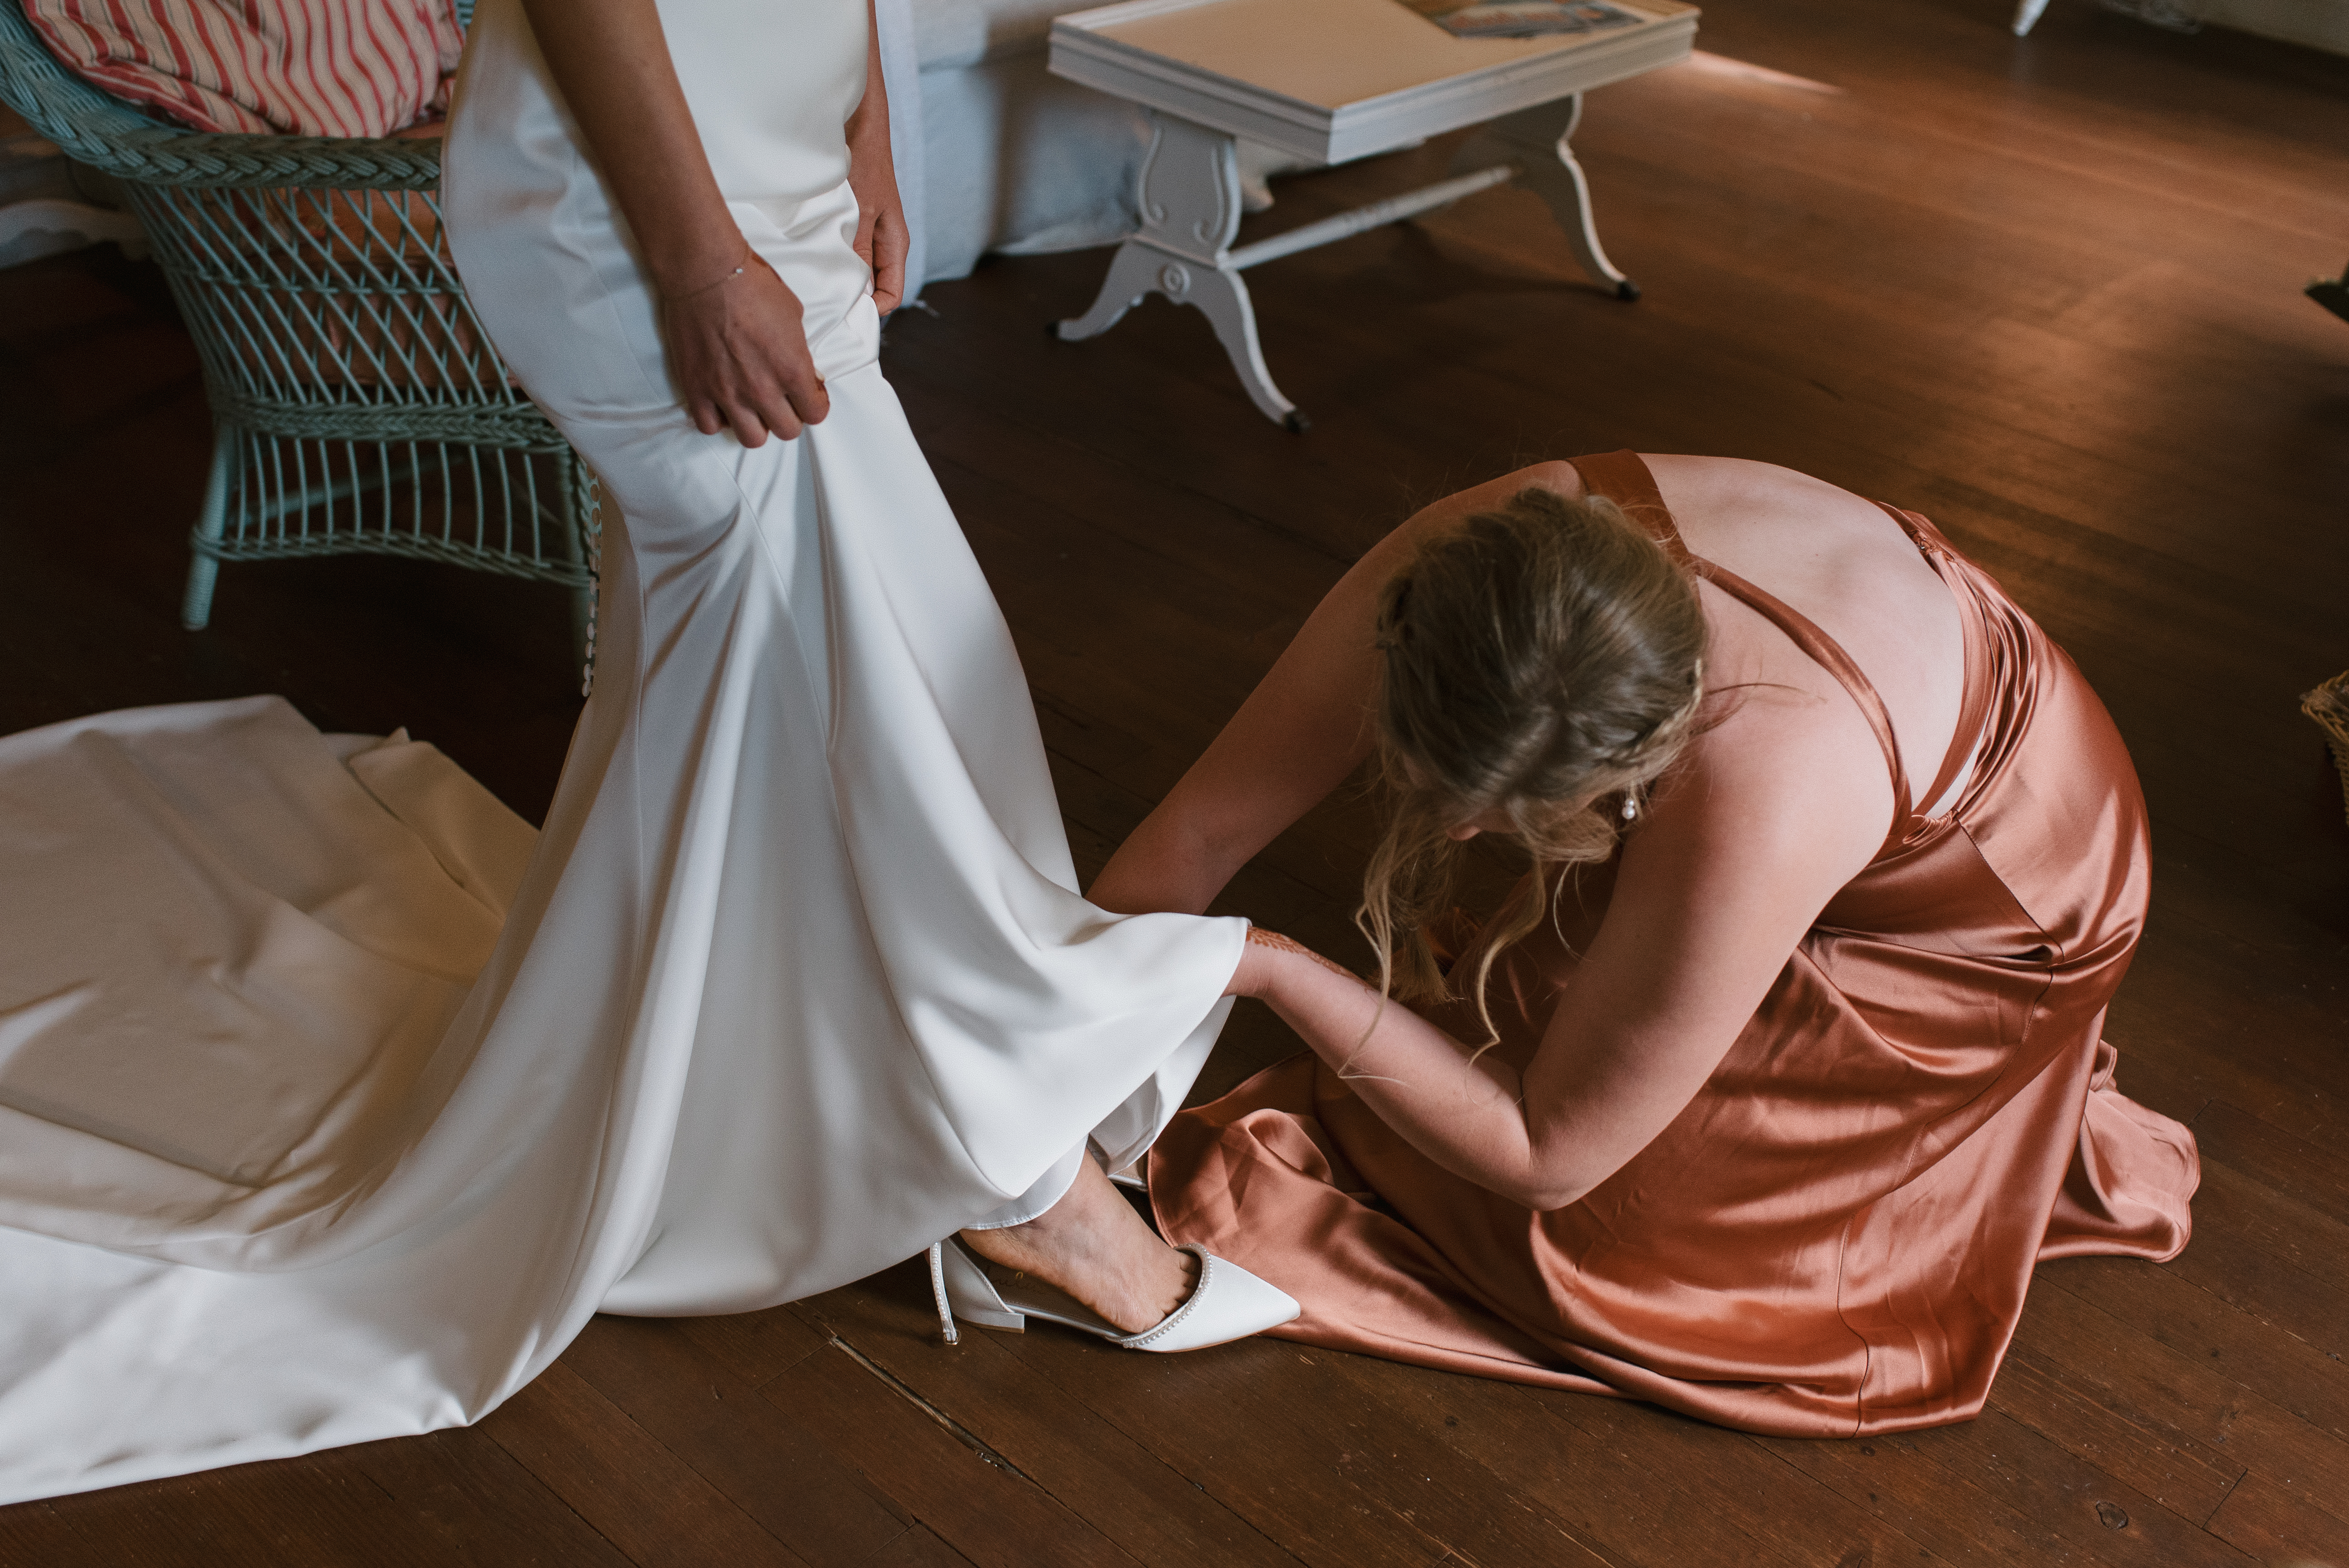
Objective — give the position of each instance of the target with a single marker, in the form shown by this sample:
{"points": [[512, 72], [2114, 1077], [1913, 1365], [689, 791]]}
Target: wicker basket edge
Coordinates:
{"points": [[2328, 704]]}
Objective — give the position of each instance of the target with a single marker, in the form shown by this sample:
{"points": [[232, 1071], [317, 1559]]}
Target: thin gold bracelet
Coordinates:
{"points": [[721, 283]]}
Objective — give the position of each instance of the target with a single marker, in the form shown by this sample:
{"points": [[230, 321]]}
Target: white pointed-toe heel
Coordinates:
{"points": [[1228, 1303]]}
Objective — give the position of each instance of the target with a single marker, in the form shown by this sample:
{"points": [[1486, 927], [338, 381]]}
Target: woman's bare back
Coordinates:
{"points": [[1846, 566]]}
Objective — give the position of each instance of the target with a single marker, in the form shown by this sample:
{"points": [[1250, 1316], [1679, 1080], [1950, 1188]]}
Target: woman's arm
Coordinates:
{"points": [[1773, 812], [1304, 728], [735, 345], [881, 237]]}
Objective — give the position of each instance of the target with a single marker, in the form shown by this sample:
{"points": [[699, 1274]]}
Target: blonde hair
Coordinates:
{"points": [[1546, 660]]}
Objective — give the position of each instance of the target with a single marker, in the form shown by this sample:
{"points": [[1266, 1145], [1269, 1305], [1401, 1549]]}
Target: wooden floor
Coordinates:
{"points": [[2046, 292]]}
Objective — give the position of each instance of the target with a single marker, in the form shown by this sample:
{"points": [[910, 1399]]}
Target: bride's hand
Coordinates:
{"points": [[740, 357], [881, 237], [736, 347]]}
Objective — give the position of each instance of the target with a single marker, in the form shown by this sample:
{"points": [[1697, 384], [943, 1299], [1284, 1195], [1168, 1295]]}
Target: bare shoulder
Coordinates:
{"points": [[1787, 770], [1442, 517], [1718, 500], [1701, 479], [1782, 743], [1558, 475]]}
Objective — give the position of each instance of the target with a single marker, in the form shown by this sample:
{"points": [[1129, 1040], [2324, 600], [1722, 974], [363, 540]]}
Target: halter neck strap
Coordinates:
{"points": [[1973, 711], [1624, 479]]}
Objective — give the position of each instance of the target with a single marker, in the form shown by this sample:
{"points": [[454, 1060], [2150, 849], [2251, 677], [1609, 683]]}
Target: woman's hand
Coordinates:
{"points": [[740, 357], [737, 349], [881, 237], [1463, 1109]]}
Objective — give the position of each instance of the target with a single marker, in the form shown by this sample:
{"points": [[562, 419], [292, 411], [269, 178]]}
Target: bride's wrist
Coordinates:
{"points": [[685, 294], [709, 255]]}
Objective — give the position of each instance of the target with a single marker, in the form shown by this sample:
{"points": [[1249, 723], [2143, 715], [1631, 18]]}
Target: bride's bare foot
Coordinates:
{"points": [[1092, 1245]]}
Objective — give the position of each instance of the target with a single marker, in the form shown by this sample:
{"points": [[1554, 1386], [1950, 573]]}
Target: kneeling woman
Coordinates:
{"points": [[1765, 1090]]}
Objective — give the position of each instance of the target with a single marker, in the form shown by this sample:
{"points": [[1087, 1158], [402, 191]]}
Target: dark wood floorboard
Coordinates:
{"points": [[2045, 292]]}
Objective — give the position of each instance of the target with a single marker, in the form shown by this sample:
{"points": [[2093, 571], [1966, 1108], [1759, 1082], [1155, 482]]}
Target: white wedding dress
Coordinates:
{"points": [[794, 982]]}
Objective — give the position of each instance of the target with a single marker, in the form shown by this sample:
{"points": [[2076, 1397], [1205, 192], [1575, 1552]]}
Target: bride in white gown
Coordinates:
{"points": [[796, 980]]}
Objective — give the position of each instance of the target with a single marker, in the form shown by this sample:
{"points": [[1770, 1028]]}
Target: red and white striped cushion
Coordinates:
{"points": [[298, 67]]}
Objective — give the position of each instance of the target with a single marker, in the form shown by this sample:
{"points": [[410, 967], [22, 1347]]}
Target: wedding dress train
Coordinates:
{"points": [[323, 1119]]}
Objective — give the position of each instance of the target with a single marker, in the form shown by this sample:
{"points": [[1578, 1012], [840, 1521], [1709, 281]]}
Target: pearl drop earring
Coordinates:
{"points": [[1631, 807]]}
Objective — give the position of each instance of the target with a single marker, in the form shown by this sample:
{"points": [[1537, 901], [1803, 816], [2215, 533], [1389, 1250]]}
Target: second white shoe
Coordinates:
{"points": [[1227, 1303]]}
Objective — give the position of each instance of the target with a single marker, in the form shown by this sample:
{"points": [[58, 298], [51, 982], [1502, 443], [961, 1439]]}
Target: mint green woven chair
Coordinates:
{"points": [[357, 405]]}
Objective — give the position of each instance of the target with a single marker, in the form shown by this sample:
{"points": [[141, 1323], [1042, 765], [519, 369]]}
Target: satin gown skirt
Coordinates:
{"points": [[1835, 1237], [796, 981]]}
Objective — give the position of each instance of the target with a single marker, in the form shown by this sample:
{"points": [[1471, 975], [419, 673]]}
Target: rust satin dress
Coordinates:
{"points": [[1835, 1236]]}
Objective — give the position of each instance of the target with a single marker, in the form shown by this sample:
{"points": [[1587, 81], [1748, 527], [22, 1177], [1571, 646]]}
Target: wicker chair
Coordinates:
{"points": [[357, 405]]}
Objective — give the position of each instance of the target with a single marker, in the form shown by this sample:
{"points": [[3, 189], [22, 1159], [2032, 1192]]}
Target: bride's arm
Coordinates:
{"points": [[1304, 728], [735, 345], [881, 237], [1775, 811]]}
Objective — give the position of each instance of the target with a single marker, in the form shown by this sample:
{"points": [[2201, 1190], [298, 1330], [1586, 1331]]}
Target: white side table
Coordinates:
{"points": [[1329, 81], [43, 212]]}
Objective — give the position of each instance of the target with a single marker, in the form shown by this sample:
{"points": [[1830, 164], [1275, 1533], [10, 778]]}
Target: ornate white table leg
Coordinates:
{"points": [[1190, 210], [1537, 140], [1132, 272], [1223, 297]]}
